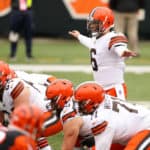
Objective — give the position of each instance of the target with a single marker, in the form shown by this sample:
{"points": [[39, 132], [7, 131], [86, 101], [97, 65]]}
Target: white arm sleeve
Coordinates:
{"points": [[86, 41], [104, 140], [119, 50]]}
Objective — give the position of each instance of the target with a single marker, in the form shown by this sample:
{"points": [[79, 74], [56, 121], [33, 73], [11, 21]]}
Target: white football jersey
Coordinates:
{"points": [[33, 78], [69, 111], [14, 87], [107, 64], [115, 121]]}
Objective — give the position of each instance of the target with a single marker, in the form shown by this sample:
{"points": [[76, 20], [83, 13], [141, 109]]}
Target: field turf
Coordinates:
{"points": [[60, 51]]}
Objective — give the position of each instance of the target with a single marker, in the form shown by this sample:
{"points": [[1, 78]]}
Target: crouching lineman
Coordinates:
{"points": [[15, 91], [60, 93], [108, 119]]}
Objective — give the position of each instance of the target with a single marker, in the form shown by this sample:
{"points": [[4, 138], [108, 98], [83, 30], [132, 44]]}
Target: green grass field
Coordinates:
{"points": [[59, 51]]}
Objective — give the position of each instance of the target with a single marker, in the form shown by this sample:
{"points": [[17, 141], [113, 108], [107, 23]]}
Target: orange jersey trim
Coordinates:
{"points": [[139, 140], [23, 142], [112, 91]]}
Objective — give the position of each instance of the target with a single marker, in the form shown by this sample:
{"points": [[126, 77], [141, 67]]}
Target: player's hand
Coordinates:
{"points": [[74, 33], [129, 53]]}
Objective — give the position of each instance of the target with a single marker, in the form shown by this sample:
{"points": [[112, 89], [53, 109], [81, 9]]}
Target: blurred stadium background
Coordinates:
{"points": [[52, 45], [53, 18]]}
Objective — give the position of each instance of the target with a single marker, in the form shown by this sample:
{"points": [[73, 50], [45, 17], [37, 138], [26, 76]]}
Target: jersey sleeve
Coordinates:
{"points": [[23, 75], [102, 130], [118, 43], [86, 41], [41, 79], [104, 139], [14, 87], [68, 112]]}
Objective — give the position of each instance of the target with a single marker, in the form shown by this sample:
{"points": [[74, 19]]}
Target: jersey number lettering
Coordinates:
{"points": [[93, 60], [116, 109]]}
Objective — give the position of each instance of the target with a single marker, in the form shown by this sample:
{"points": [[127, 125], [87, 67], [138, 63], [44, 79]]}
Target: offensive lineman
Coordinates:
{"points": [[16, 91], [110, 120]]}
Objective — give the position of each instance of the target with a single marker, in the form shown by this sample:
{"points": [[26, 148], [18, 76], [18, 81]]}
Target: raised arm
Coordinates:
{"points": [[84, 40]]}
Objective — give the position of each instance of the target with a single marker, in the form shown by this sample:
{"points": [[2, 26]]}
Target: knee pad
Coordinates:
{"points": [[13, 36]]}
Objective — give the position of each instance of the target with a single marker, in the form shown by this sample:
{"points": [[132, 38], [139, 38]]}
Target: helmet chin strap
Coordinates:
{"points": [[100, 32], [94, 34], [97, 34]]}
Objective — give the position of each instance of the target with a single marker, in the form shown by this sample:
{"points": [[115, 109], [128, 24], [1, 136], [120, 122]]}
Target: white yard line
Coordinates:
{"points": [[79, 68], [73, 68]]}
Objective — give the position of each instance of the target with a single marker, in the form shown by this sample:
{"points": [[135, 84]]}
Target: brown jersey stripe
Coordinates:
{"points": [[17, 90], [69, 115], [99, 128], [118, 39], [42, 143]]}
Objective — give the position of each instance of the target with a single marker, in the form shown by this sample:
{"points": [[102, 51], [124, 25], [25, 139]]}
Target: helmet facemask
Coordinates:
{"points": [[3, 79], [87, 106], [54, 102], [95, 28], [59, 92], [89, 95], [58, 102], [100, 21]]}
